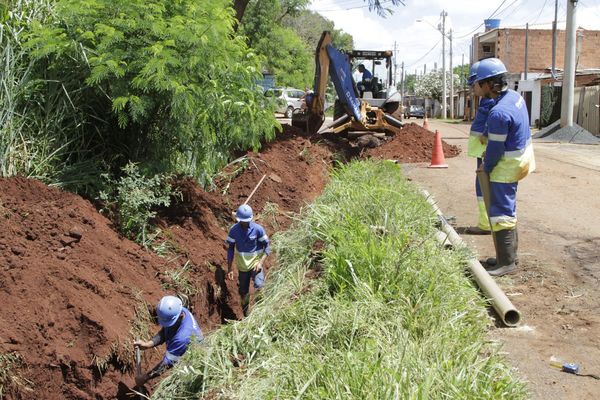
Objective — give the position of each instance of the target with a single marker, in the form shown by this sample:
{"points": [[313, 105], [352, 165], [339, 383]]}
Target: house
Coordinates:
{"points": [[509, 45]]}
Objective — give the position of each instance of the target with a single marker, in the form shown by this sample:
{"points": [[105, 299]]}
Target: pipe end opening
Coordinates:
{"points": [[512, 318]]}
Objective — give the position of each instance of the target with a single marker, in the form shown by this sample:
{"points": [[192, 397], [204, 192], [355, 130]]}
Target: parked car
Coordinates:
{"points": [[288, 99], [415, 111]]}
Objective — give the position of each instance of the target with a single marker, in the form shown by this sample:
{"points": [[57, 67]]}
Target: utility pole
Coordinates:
{"points": [[463, 78], [444, 94], [451, 79], [395, 65], [402, 82], [554, 39], [526, 49], [568, 84], [424, 69]]}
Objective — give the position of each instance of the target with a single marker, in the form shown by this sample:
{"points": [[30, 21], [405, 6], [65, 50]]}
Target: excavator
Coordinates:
{"points": [[370, 113]]}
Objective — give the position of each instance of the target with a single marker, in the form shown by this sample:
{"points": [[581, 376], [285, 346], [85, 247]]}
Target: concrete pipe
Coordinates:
{"points": [[508, 313]]}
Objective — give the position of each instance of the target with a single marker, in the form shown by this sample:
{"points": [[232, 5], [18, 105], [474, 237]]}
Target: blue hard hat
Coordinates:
{"points": [[472, 74], [244, 213], [168, 310], [489, 67]]}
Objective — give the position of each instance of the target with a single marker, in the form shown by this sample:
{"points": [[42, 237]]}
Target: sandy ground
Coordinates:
{"points": [[557, 288]]}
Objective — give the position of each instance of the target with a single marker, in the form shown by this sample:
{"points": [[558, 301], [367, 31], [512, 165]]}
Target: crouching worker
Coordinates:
{"points": [[249, 243], [179, 330]]}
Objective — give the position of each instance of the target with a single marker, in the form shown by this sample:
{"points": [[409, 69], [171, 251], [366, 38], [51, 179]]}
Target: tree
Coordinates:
{"points": [[309, 25], [462, 71], [164, 83], [430, 85], [409, 83], [240, 6]]}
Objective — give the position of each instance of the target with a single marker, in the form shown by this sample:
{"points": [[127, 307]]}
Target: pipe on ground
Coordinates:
{"points": [[508, 313], [335, 123], [393, 121]]}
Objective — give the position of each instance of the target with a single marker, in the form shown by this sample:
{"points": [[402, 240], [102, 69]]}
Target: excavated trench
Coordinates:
{"points": [[72, 287]]}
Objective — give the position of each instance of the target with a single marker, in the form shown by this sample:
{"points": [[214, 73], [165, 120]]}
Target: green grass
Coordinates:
{"points": [[363, 304], [11, 377]]}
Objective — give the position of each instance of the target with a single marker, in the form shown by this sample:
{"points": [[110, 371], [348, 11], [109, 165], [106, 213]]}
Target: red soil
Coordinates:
{"points": [[68, 280], [411, 144]]}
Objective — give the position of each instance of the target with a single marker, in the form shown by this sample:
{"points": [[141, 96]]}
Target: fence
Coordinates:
{"points": [[585, 107]]}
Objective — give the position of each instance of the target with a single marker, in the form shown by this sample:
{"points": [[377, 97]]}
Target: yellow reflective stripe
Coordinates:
{"points": [[495, 137], [517, 153], [474, 146], [246, 261], [484, 222], [513, 169]]}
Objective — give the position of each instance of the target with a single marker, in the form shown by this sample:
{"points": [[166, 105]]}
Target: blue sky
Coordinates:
{"points": [[419, 43]]}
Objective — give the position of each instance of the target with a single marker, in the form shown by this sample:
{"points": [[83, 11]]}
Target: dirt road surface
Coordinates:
{"points": [[557, 287]]}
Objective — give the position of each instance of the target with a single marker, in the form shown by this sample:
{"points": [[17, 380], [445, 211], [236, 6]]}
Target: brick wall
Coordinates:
{"points": [[510, 48]]}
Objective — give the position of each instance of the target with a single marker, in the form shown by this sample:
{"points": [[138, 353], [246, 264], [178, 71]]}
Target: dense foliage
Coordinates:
{"points": [[285, 33], [163, 83], [363, 304]]}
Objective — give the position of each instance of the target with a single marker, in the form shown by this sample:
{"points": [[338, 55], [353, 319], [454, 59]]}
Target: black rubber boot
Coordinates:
{"points": [[506, 260], [491, 261]]}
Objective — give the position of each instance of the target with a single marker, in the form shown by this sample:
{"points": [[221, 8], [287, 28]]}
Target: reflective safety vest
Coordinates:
{"points": [[509, 154], [477, 139]]}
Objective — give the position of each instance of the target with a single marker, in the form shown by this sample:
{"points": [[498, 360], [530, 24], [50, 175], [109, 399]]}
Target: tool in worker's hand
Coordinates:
{"points": [[138, 361], [138, 371], [255, 189], [484, 183], [252, 193]]}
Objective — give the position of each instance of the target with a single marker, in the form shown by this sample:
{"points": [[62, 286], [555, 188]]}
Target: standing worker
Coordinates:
{"points": [[365, 84], [179, 330], [249, 243], [476, 148], [508, 159]]}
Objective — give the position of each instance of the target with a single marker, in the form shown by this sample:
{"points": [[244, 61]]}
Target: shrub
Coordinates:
{"points": [[135, 199]]}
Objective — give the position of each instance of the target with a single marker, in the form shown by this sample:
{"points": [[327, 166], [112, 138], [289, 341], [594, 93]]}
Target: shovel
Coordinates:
{"points": [[138, 371], [484, 183]]}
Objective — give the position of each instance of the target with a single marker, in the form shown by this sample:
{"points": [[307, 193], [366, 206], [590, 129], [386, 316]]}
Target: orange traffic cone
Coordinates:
{"points": [[425, 122], [437, 156]]}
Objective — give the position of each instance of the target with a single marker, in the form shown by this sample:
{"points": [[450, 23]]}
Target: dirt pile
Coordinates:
{"points": [[410, 144], [69, 286]]}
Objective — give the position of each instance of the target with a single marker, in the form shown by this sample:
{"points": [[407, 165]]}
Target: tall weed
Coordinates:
{"points": [[363, 304]]}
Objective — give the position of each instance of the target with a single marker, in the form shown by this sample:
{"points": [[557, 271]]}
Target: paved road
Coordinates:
{"points": [[558, 286]]}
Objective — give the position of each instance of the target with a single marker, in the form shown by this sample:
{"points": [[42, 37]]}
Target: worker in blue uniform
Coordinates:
{"points": [[508, 158], [248, 243], [365, 85], [179, 330], [476, 147]]}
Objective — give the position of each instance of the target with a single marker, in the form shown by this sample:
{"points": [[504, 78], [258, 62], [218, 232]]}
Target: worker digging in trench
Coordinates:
{"points": [[248, 243], [179, 330]]}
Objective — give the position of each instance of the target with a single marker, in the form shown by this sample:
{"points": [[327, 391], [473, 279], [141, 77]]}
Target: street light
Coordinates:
{"points": [[442, 29]]}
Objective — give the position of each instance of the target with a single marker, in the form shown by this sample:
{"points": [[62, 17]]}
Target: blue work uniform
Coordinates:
{"points": [[475, 148], [367, 75], [508, 157], [179, 336], [248, 246]]}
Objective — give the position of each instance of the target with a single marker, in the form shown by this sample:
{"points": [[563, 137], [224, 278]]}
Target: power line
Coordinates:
{"points": [[540, 13], [494, 13], [425, 55], [358, 7]]}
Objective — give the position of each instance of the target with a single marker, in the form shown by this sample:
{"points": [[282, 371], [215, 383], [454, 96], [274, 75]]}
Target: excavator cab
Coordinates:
{"points": [[351, 111]]}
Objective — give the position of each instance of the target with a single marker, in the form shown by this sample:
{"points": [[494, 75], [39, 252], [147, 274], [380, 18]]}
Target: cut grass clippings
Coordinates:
{"points": [[363, 304]]}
